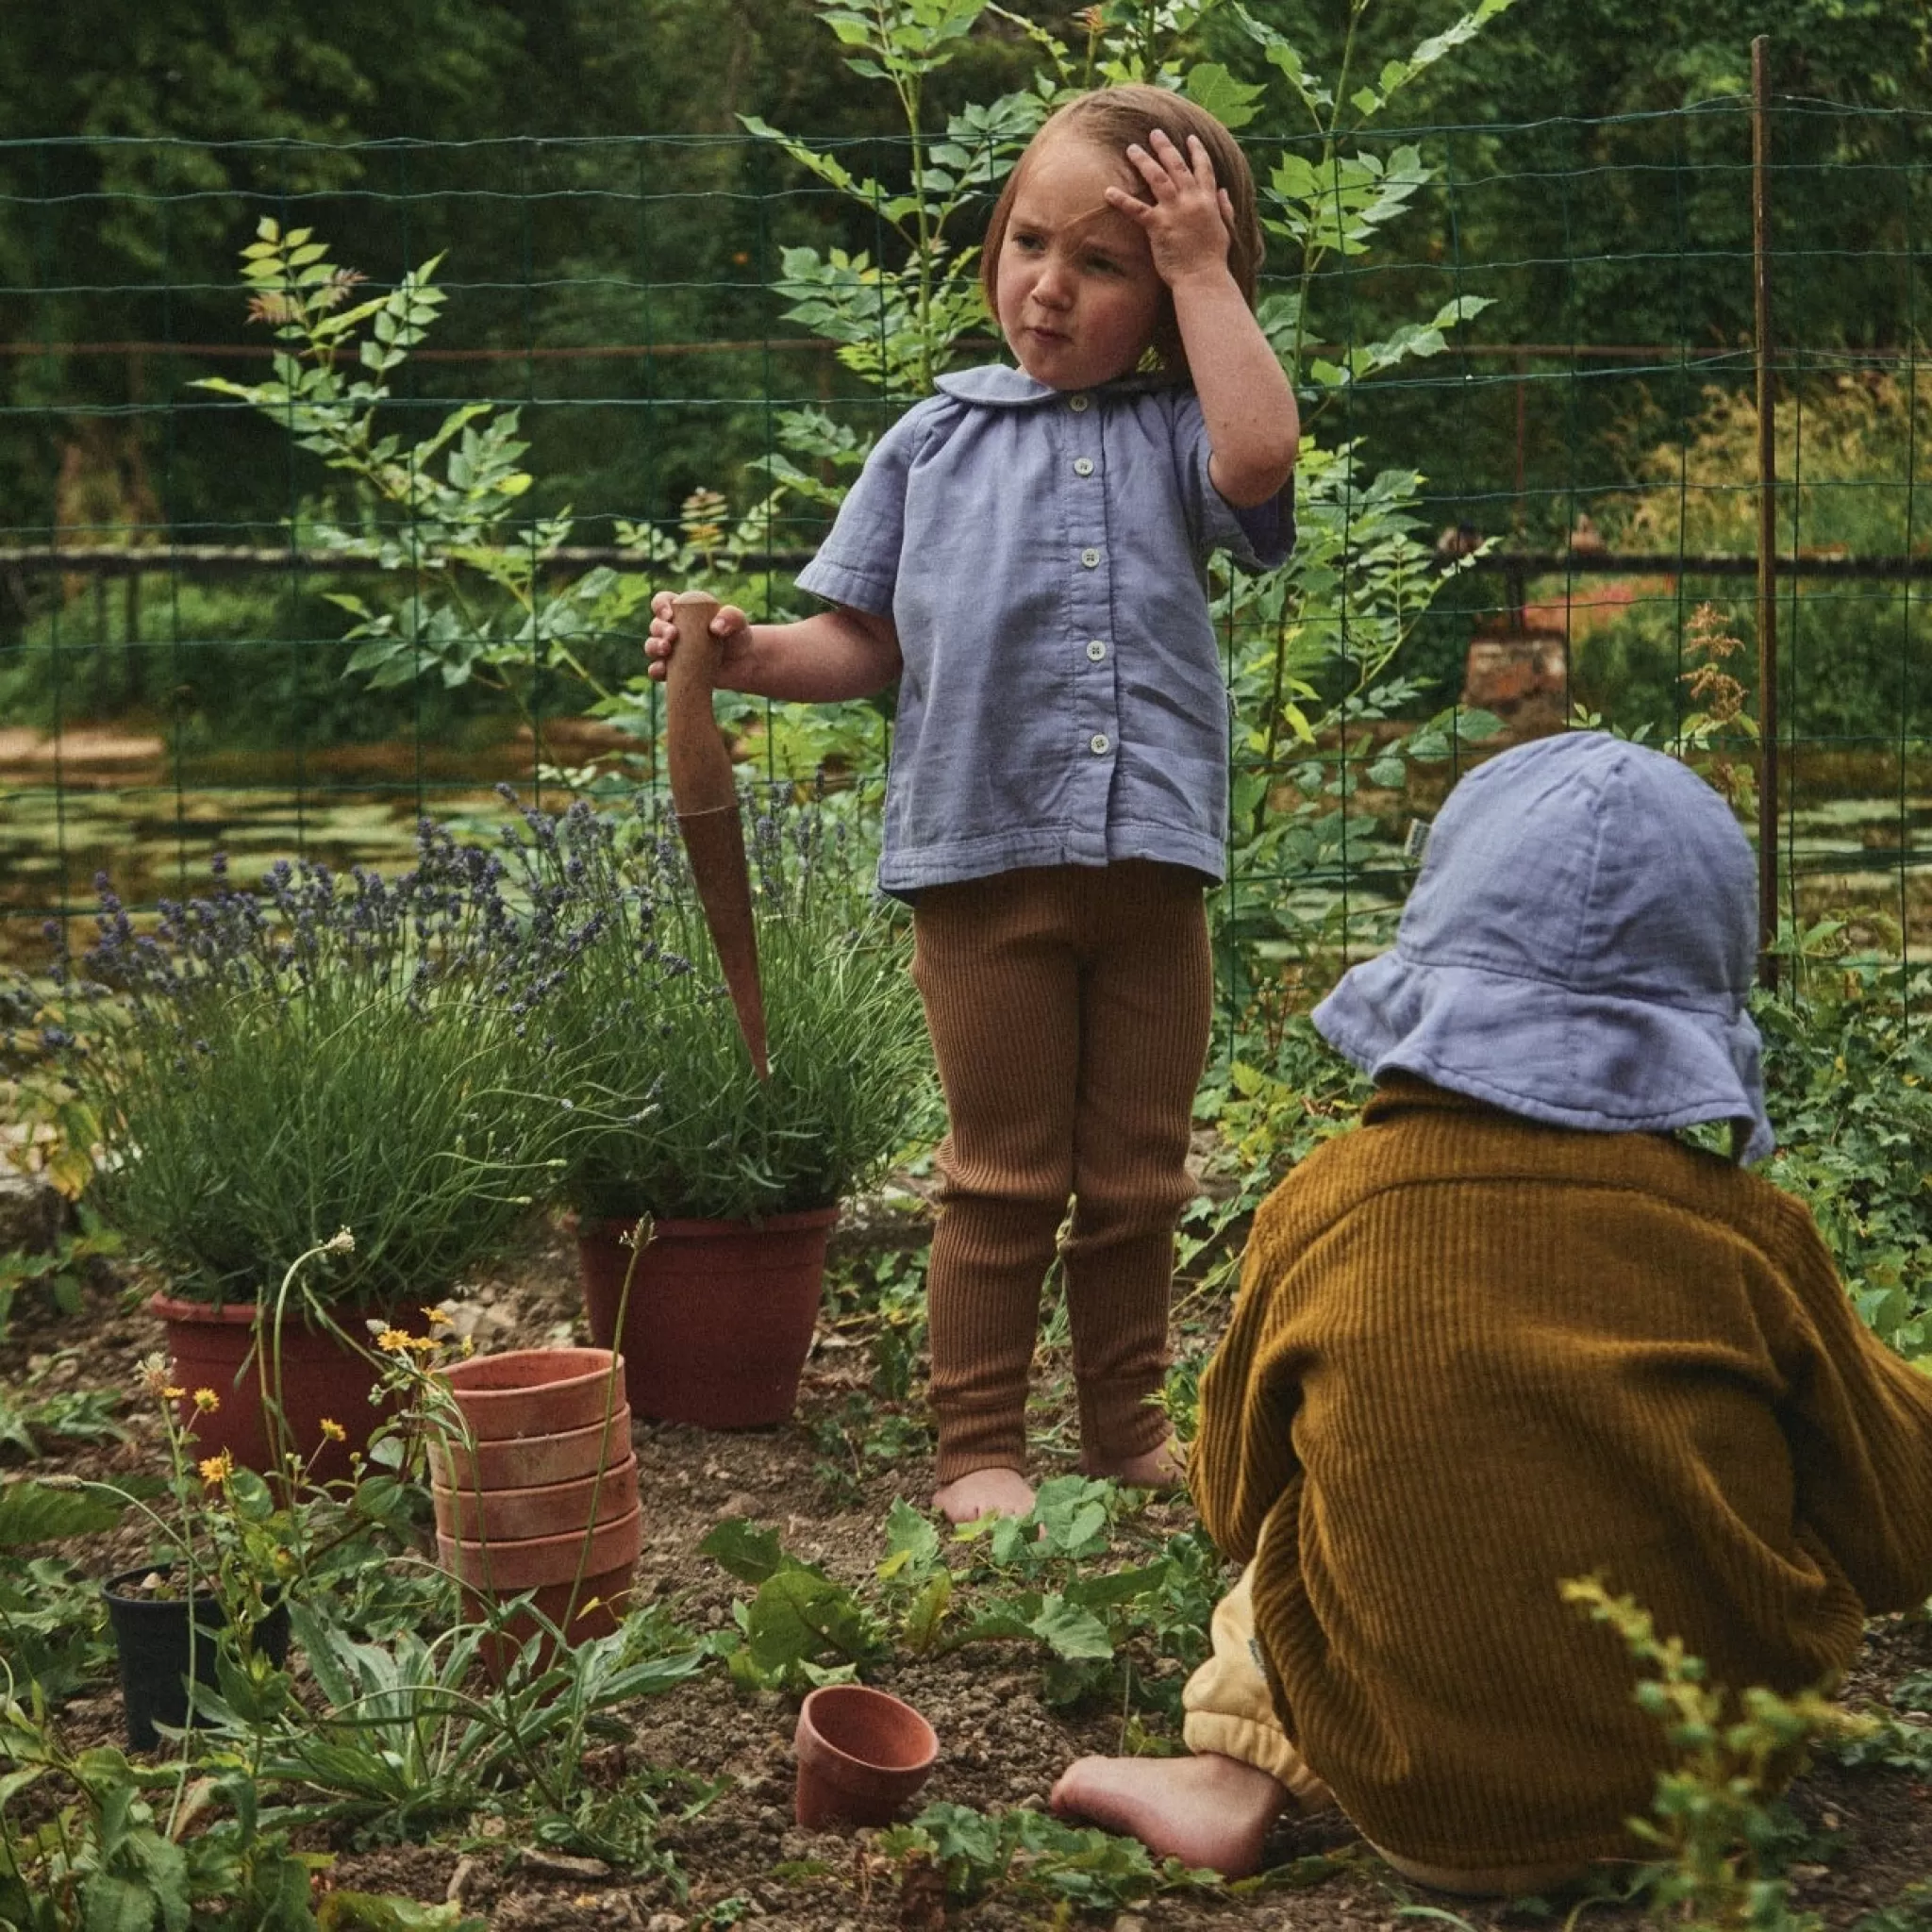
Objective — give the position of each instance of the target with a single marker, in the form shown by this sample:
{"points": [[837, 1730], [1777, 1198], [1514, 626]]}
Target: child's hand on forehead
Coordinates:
{"points": [[1189, 219]]}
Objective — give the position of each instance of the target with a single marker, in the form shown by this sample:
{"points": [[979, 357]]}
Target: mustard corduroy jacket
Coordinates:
{"points": [[1473, 1356]]}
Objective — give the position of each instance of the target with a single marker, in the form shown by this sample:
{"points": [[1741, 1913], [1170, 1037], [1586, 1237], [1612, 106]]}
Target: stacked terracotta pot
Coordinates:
{"points": [[544, 1496]]}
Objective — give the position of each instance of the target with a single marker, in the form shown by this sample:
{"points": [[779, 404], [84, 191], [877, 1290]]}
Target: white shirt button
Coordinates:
{"points": [[1090, 559], [1097, 650], [1078, 403], [1083, 466], [1097, 744]]}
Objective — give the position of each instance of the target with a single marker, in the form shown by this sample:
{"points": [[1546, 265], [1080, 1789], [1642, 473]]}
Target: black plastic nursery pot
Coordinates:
{"points": [[151, 1639]]}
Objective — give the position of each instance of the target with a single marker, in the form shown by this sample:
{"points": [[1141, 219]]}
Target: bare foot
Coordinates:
{"points": [[1204, 1811], [984, 1493], [1164, 1467]]}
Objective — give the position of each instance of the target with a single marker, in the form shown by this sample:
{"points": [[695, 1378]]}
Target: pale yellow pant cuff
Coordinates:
{"points": [[1501, 1881], [1230, 1709]]}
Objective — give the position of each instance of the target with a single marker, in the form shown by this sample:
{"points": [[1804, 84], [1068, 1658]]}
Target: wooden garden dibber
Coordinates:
{"points": [[704, 794]]}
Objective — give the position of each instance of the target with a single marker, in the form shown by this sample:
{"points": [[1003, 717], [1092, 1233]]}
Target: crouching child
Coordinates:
{"points": [[1513, 1330]]}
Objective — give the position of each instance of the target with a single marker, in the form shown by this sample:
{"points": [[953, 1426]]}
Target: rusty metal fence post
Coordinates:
{"points": [[1767, 515]]}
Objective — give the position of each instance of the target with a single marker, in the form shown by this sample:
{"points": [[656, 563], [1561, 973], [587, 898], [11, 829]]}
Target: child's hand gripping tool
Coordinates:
{"points": [[704, 794]]}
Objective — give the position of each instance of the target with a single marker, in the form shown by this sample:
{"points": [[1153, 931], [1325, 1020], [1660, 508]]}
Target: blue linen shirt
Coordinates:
{"points": [[1044, 557]]}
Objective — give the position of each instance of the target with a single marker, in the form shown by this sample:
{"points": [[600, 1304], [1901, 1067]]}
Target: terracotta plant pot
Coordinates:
{"points": [[152, 1647], [548, 1473], [531, 1391], [502, 1515], [721, 1313], [862, 1754], [530, 1461], [547, 1565], [320, 1376]]}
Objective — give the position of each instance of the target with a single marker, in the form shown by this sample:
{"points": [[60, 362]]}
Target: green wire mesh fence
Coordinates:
{"points": [[1548, 507]]}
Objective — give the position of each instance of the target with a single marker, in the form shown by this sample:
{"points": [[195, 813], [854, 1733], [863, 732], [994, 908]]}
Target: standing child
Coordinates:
{"points": [[1511, 1331], [1026, 553]]}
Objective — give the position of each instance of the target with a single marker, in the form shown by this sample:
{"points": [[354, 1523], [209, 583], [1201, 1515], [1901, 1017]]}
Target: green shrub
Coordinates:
{"points": [[673, 1120], [272, 1065], [1851, 483]]}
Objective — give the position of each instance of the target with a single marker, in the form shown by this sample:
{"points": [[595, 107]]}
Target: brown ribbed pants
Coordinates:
{"points": [[1069, 1009]]}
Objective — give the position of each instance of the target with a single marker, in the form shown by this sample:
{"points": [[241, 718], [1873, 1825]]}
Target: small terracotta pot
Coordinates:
{"points": [[862, 1754], [499, 1516], [600, 1607], [516, 1462], [548, 1565], [721, 1313], [531, 1391], [320, 1376]]}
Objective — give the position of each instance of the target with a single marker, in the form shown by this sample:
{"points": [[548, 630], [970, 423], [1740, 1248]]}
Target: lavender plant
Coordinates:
{"points": [[270, 1065], [672, 1119]]}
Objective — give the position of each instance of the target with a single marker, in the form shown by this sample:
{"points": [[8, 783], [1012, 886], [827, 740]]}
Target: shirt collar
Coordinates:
{"points": [[994, 383]]}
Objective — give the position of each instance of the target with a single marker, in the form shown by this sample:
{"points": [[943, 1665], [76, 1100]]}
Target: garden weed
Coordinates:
{"points": [[59, 1273], [1721, 1834], [1035, 1581], [1028, 1857], [65, 1415], [1910, 1911]]}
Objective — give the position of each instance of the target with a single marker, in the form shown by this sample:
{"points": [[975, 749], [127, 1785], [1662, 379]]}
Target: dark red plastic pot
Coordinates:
{"points": [[862, 1754], [721, 1313], [320, 1376]]}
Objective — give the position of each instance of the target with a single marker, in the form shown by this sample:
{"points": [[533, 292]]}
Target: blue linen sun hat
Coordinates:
{"points": [[1578, 948]]}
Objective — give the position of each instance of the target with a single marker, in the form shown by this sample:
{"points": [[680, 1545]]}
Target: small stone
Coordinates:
{"points": [[461, 1879], [739, 1503], [663, 1921], [1130, 1921], [561, 1865]]}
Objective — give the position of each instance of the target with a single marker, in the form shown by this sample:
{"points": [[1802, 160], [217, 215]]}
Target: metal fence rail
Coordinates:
{"points": [[172, 680]]}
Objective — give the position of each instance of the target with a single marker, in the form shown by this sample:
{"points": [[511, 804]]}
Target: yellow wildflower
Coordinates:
{"points": [[333, 1429], [205, 1400], [437, 1318], [393, 1341], [216, 1469]]}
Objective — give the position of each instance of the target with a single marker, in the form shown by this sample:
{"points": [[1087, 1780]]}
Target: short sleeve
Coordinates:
{"points": [[858, 564], [1259, 537]]}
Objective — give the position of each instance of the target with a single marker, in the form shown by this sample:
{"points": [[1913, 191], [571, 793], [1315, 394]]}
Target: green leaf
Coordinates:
{"points": [[36, 1512], [368, 1911], [748, 1551], [1071, 1632], [911, 1540], [1230, 101], [928, 1610], [798, 1616], [112, 1904]]}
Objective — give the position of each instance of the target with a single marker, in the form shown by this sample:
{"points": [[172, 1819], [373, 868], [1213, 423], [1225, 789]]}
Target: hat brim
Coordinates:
{"points": [[1513, 1041]]}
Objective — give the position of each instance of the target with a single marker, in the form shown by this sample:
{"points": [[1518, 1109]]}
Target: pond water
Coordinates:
{"points": [[110, 803]]}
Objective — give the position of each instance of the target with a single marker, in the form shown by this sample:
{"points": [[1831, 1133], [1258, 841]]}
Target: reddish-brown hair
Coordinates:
{"points": [[1110, 118]]}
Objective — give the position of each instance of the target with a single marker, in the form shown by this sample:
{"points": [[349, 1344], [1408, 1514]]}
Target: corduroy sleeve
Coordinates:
{"points": [[1859, 1423], [1243, 1457]]}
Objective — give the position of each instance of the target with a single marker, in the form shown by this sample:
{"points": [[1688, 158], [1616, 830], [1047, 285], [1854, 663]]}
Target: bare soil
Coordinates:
{"points": [[1871, 1830]]}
